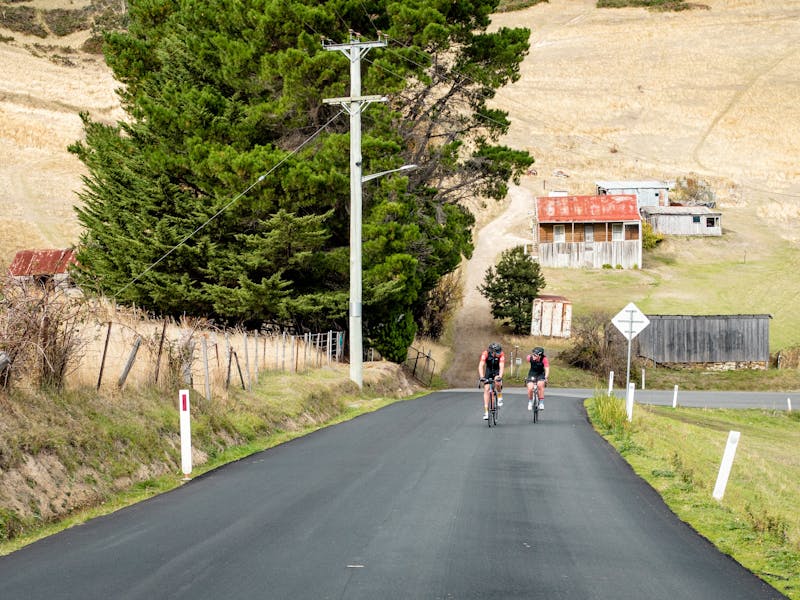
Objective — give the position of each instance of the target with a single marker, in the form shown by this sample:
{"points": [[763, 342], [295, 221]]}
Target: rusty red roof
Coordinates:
{"points": [[552, 298], [587, 209], [28, 263]]}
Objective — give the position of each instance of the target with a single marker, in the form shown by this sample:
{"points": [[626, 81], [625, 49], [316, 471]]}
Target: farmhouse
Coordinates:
{"points": [[588, 231], [648, 192], [683, 220], [43, 266], [713, 341]]}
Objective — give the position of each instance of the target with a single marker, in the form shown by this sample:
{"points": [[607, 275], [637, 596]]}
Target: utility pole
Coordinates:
{"points": [[354, 50]]}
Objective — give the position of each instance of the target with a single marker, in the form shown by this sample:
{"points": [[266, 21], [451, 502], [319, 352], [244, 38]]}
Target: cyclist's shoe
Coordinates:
{"points": [[499, 401], [541, 404], [530, 404], [486, 416]]}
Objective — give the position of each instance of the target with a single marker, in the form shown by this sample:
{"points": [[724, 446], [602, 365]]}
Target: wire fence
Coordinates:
{"points": [[76, 344], [421, 365], [208, 360]]}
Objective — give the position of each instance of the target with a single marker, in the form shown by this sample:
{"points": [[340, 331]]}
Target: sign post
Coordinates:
{"points": [[630, 321], [184, 407]]}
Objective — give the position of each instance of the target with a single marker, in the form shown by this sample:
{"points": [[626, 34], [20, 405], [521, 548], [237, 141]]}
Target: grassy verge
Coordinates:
{"points": [[678, 452], [104, 454]]}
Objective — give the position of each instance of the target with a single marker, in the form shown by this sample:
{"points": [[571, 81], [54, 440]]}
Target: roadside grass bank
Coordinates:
{"points": [[70, 457], [679, 451]]}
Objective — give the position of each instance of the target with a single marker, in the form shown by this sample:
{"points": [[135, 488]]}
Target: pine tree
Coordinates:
{"points": [[225, 193], [511, 288]]}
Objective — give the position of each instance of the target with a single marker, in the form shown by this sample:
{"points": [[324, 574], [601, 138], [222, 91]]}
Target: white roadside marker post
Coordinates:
{"points": [[610, 382], [789, 404], [629, 400], [675, 397], [727, 463], [186, 434]]}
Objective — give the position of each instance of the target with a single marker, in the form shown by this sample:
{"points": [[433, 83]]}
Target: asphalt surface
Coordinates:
{"points": [[418, 500]]}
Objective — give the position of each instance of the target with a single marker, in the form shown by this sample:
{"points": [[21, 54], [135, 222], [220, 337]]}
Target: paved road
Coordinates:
{"points": [[417, 500]]}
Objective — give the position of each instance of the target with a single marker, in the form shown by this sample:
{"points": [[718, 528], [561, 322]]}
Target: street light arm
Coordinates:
{"points": [[372, 176]]}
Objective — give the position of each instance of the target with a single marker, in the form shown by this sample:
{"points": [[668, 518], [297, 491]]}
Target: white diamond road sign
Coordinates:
{"points": [[630, 321]]}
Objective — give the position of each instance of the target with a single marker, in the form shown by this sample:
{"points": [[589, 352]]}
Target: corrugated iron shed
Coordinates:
{"points": [[680, 210], [33, 263], [587, 209]]}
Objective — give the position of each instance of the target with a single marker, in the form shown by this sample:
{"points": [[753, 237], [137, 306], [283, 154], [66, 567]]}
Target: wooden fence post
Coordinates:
{"points": [[239, 368], [187, 355], [160, 349], [255, 359], [129, 364], [228, 373], [103, 359], [247, 361], [204, 344]]}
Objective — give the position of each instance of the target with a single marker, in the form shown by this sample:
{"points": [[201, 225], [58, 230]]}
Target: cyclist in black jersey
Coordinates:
{"points": [[491, 366], [537, 375]]}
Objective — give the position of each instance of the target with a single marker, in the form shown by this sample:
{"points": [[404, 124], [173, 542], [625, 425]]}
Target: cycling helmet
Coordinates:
{"points": [[538, 351], [495, 348]]}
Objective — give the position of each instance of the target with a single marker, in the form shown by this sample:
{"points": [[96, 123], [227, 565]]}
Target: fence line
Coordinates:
{"points": [[118, 353], [421, 365]]}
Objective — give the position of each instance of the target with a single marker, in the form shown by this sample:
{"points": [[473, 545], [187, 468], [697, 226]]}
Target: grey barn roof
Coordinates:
{"points": [[679, 210]]}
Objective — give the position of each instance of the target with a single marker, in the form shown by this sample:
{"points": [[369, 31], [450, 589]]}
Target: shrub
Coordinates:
{"points": [[691, 190], [650, 239], [10, 524], [440, 305], [39, 331], [597, 346]]}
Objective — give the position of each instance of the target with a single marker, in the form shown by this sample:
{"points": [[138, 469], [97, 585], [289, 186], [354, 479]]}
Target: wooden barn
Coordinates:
{"points": [[683, 220], [588, 232], [712, 341], [552, 316], [45, 267]]}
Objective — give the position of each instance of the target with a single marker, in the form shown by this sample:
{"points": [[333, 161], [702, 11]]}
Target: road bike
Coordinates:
{"points": [[492, 408], [535, 407]]}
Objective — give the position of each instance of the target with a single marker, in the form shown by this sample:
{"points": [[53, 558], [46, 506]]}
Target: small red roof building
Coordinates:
{"points": [[41, 263]]}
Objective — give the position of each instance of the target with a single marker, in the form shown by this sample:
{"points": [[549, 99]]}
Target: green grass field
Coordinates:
{"points": [[750, 269], [679, 451]]}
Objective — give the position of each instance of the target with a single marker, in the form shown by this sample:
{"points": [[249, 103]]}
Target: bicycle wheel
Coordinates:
{"points": [[490, 408], [535, 410]]}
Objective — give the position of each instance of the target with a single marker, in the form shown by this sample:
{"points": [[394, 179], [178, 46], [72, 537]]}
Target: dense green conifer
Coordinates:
{"points": [[213, 199]]}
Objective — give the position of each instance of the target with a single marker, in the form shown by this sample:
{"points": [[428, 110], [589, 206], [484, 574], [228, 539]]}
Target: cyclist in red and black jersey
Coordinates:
{"points": [[491, 366]]}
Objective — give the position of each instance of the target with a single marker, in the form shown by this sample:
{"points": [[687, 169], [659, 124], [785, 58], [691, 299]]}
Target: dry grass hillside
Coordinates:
{"points": [[604, 94]]}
